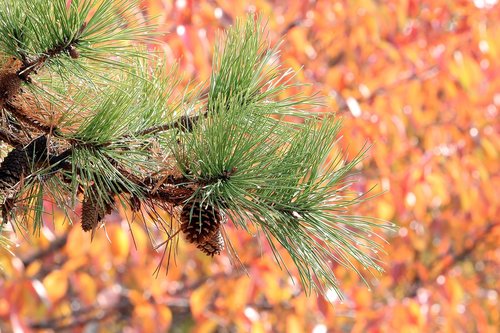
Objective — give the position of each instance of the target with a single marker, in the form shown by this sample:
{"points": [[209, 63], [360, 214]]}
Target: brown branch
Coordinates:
{"points": [[20, 161], [14, 71], [201, 281], [454, 259], [10, 83], [84, 316], [13, 101], [23, 116], [54, 246]]}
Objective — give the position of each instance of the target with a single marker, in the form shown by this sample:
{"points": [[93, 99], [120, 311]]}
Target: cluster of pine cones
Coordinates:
{"points": [[200, 223]]}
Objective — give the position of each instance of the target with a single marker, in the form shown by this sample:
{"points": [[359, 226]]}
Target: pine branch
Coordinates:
{"points": [[23, 117], [229, 154]]}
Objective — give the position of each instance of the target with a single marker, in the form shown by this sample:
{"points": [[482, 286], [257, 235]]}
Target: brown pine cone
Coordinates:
{"points": [[93, 212], [199, 222]]}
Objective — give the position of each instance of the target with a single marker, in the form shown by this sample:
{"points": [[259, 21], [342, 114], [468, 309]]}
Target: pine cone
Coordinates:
{"points": [[90, 214], [10, 82], [73, 52], [93, 212], [201, 226], [17, 163]]}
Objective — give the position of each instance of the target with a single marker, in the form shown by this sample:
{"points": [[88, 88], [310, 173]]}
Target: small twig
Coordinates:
{"points": [[84, 316], [10, 138], [466, 251], [455, 259], [185, 123], [54, 246], [65, 47]]}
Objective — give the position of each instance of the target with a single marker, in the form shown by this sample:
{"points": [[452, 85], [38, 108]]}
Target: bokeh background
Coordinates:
{"points": [[419, 81]]}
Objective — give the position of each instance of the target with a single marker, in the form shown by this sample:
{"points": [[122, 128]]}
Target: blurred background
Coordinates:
{"points": [[419, 81]]}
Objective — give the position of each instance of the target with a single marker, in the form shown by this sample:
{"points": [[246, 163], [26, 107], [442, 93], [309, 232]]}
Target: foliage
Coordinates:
{"points": [[418, 79]]}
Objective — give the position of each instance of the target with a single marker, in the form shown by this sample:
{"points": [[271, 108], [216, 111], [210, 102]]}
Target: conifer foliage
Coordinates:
{"points": [[95, 121]]}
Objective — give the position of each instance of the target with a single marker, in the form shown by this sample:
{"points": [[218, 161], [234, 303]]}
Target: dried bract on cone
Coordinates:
{"points": [[214, 245]]}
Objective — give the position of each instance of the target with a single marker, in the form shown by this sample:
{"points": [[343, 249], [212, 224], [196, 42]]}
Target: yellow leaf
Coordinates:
{"points": [[207, 326], [200, 299], [4, 307], [274, 292], [258, 327], [385, 210], [466, 70], [415, 313], [239, 296], [454, 290], [56, 284], [78, 243], [144, 315], [86, 286], [293, 324], [120, 243], [363, 297], [164, 314], [489, 149], [74, 264], [33, 268]]}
